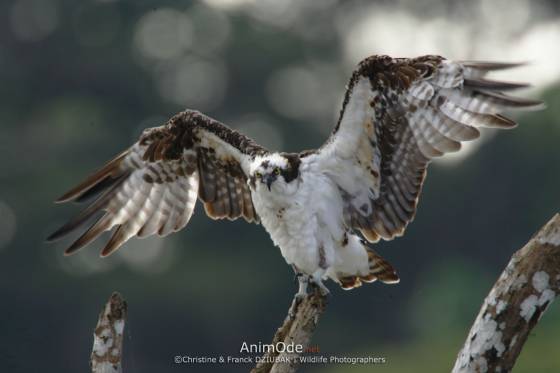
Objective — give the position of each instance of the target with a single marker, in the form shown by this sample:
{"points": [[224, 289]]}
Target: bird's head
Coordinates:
{"points": [[276, 171]]}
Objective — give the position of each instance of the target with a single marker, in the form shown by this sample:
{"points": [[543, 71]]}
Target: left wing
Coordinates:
{"points": [[398, 114], [152, 187]]}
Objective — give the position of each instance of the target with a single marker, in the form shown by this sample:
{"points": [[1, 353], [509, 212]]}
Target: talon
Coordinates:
{"points": [[324, 291], [318, 284], [291, 315], [298, 298]]}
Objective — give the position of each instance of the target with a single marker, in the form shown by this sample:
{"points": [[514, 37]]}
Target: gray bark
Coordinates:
{"points": [[511, 310], [515, 305], [108, 337]]}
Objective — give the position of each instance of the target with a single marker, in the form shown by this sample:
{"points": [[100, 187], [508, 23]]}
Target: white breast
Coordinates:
{"points": [[305, 221]]}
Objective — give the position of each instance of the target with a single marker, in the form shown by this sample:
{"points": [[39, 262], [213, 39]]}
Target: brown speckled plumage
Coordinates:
{"points": [[397, 115], [423, 108], [172, 166]]}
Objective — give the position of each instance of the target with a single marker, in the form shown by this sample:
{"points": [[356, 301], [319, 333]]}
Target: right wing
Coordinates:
{"points": [[152, 187]]}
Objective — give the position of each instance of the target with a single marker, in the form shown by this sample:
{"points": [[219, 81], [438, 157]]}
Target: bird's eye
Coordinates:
{"points": [[276, 171], [258, 175]]}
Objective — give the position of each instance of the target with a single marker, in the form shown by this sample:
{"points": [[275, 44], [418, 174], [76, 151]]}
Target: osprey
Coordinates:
{"points": [[318, 206]]}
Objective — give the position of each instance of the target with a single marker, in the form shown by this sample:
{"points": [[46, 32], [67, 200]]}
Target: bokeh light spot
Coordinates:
{"points": [[163, 34], [193, 82]]}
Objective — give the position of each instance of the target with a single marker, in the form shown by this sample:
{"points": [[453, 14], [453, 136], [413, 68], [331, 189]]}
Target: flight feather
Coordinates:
{"points": [[152, 187], [398, 114]]}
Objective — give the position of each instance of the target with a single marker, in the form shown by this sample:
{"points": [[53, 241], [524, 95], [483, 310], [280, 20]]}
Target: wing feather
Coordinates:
{"points": [[152, 212], [152, 187], [410, 111]]}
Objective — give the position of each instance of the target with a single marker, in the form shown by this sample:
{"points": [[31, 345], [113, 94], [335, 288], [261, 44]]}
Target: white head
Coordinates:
{"points": [[276, 172]]}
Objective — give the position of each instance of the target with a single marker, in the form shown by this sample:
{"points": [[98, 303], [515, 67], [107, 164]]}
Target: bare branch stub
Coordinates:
{"points": [[298, 328], [515, 305], [108, 336]]}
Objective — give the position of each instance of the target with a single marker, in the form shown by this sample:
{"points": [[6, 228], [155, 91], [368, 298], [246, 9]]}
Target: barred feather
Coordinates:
{"points": [[379, 268], [420, 109], [152, 187]]}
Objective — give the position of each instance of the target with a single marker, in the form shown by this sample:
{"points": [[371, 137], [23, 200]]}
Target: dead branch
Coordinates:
{"points": [[511, 310], [515, 305], [108, 337], [298, 328]]}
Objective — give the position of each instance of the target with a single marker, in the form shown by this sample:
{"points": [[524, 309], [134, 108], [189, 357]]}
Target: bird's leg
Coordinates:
{"points": [[297, 273], [317, 280], [303, 280]]}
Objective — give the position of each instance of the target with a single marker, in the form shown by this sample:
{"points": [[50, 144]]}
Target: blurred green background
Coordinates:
{"points": [[80, 80]]}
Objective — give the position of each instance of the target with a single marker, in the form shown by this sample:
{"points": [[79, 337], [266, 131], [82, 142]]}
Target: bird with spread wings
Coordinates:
{"points": [[320, 207]]}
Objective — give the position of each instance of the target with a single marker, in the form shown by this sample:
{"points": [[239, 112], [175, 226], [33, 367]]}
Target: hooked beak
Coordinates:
{"points": [[268, 180]]}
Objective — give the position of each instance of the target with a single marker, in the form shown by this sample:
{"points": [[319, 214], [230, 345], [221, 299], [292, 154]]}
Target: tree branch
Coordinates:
{"points": [[108, 337], [511, 310], [515, 305], [298, 327]]}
